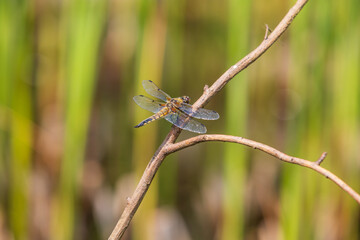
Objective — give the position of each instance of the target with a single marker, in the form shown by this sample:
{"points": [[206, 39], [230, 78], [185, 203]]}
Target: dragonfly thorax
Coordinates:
{"points": [[175, 103]]}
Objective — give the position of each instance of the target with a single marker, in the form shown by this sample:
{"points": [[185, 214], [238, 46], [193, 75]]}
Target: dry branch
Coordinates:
{"points": [[269, 150], [163, 150]]}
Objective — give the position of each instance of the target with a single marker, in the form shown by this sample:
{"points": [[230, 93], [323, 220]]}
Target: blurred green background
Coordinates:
{"points": [[69, 155]]}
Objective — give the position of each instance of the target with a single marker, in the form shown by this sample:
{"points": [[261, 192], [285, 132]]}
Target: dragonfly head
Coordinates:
{"points": [[186, 99]]}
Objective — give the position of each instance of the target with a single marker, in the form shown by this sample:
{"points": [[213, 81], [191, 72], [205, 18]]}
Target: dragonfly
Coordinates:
{"points": [[177, 111]]}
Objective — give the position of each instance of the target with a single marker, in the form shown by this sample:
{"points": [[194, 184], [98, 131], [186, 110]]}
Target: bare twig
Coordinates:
{"points": [[252, 56], [160, 154], [269, 150]]}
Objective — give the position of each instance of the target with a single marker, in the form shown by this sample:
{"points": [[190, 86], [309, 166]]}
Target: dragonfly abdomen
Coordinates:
{"points": [[154, 117]]}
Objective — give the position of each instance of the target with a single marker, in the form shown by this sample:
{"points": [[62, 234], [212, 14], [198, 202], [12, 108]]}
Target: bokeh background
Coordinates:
{"points": [[70, 157]]}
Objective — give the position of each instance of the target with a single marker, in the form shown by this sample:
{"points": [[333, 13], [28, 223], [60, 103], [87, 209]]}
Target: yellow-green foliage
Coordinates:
{"points": [[70, 157]]}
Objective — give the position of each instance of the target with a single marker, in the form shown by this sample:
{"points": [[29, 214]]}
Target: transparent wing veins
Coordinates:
{"points": [[151, 88], [201, 113], [185, 122], [148, 103]]}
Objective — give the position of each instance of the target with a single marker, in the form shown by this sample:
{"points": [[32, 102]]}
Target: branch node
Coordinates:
{"points": [[206, 88], [321, 159], [267, 31], [128, 199]]}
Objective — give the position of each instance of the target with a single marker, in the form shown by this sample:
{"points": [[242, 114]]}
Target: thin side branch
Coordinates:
{"points": [[322, 158], [269, 150], [267, 31], [209, 93]]}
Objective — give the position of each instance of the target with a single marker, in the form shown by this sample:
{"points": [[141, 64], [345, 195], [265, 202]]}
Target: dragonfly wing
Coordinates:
{"points": [[201, 113], [148, 103], [185, 122], [151, 88]]}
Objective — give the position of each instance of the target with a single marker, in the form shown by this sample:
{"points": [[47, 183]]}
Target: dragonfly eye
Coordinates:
{"points": [[186, 99]]}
